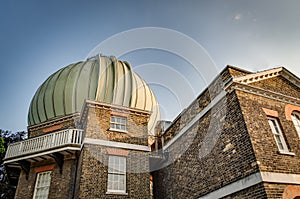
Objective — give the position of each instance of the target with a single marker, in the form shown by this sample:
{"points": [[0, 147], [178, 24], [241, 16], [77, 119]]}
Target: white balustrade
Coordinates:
{"points": [[45, 142]]}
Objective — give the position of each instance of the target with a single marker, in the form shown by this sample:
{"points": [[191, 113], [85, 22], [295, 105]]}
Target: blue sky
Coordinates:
{"points": [[39, 37]]}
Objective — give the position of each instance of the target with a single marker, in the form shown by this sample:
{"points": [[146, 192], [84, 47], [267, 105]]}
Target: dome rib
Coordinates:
{"points": [[132, 83], [115, 87], [123, 78], [82, 85], [56, 87], [109, 78], [65, 88], [70, 89], [76, 85], [66, 71], [100, 79], [145, 95], [134, 93], [127, 85], [40, 103], [34, 103], [92, 89], [48, 96], [139, 93], [42, 99]]}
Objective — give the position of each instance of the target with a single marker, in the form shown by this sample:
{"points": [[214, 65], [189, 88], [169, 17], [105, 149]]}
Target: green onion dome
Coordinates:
{"points": [[100, 78]]}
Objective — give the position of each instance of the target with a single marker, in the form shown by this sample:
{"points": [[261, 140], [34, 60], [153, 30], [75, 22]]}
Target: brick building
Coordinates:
{"points": [[94, 133]]}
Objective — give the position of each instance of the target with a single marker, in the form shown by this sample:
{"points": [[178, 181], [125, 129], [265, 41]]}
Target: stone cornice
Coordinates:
{"points": [[262, 92], [255, 77], [53, 122], [263, 75], [290, 77]]}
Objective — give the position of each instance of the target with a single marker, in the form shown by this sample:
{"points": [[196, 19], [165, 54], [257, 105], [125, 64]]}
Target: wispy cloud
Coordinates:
{"points": [[237, 17]]}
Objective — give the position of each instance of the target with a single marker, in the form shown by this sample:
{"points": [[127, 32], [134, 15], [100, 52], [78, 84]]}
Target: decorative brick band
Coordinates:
{"points": [[119, 152], [122, 114], [270, 112], [52, 128], [289, 108], [50, 123], [49, 167]]}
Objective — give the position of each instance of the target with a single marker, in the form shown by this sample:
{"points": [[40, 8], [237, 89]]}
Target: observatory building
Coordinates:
{"points": [[95, 132]]}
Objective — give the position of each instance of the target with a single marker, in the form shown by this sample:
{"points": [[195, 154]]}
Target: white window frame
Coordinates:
{"points": [[278, 135], [118, 123], [296, 121], [43, 181], [116, 179]]}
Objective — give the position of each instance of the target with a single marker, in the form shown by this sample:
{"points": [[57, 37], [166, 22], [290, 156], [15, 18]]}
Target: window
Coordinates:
{"points": [[276, 130], [296, 121], [118, 123], [42, 185], [116, 174]]}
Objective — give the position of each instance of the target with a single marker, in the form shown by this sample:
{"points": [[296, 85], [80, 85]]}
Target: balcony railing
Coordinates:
{"points": [[59, 139]]}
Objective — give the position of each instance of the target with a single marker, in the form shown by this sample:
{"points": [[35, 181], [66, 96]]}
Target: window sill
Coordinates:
{"points": [[118, 130], [286, 153], [117, 193]]}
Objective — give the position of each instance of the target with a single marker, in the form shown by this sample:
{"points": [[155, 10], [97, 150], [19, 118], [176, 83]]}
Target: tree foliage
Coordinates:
{"points": [[7, 190]]}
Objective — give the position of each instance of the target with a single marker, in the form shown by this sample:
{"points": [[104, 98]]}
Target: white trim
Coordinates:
{"points": [[280, 178], [286, 153], [278, 135], [117, 171], [196, 118], [116, 144], [296, 121], [253, 180], [37, 183], [118, 130], [37, 154], [115, 123], [234, 187], [116, 193]]}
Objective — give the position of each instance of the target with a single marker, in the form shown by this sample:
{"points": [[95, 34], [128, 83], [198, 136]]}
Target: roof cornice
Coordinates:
{"points": [[54, 121], [290, 77], [267, 74], [262, 92], [255, 77]]}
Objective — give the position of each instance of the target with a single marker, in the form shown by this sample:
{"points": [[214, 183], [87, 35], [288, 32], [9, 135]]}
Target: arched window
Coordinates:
{"points": [[296, 121]]}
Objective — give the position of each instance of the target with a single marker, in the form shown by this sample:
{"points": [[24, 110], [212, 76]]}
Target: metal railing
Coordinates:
{"points": [[46, 142]]}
